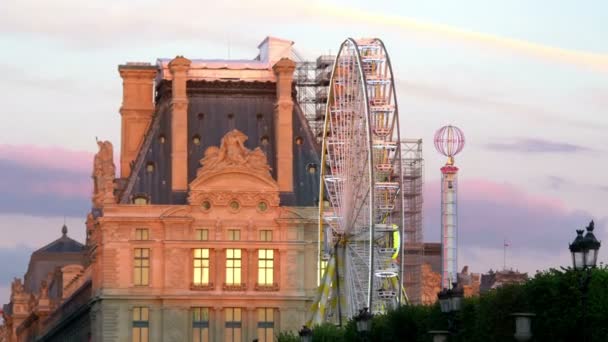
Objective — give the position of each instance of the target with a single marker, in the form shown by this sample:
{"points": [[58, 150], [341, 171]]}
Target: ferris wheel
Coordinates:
{"points": [[361, 220]]}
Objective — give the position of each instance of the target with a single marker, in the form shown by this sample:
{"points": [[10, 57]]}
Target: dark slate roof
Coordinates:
{"points": [[61, 252], [62, 245], [214, 109]]}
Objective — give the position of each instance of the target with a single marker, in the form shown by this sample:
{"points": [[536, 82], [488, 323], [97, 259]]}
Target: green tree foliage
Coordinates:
{"points": [[554, 296]]}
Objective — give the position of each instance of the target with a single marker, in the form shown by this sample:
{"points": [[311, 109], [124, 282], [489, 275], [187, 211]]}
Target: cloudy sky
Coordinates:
{"points": [[526, 81]]}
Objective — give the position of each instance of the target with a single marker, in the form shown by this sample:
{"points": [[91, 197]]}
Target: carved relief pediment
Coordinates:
{"points": [[233, 170]]}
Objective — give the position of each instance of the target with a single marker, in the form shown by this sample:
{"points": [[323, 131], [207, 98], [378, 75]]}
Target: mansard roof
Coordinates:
{"points": [[214, 109]]}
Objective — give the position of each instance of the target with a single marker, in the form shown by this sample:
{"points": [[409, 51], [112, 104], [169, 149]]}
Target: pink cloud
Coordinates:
{"points": [[505, 193], [55, 158]]}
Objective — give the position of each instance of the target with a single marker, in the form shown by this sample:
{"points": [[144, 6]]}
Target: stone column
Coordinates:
{"points": [[252, 269], [136, 110], [250, 324], [219, 267], [283, 117], [218, 324], [179, 124]]}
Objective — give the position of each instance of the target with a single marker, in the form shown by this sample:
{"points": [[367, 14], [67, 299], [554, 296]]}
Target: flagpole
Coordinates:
{"points": [[504, 254]]}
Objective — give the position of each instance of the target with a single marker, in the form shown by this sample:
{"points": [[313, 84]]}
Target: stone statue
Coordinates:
{"points": [[104, 173], [44, 290], [17, 286], [232, 153]]}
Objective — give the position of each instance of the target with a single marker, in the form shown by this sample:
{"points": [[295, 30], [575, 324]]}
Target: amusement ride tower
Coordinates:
{"points": [[449, 141]]}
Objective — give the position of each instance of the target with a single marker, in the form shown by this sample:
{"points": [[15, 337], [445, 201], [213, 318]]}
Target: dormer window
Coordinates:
{"points": [[150, 167], [196, 140], [141, 199]]}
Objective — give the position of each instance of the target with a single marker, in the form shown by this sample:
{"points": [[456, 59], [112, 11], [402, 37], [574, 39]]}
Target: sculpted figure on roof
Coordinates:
{"points": [[232, 153], [104, 173], [17, 286]]}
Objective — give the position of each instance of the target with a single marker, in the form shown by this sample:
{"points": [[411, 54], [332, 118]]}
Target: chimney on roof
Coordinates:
{"points": [[136, 110]]}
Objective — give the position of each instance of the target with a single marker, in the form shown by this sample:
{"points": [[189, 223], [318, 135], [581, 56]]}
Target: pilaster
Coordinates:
{"points": [[283, 118], [179, 67]]}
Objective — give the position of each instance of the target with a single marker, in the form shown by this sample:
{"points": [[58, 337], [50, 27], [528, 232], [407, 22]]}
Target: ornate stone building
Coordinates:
{"points": [[209, 233], [52, 276]]}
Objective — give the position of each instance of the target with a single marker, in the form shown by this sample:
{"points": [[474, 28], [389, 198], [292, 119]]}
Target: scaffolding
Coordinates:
{"points": [[413, 246], [311, 80]]}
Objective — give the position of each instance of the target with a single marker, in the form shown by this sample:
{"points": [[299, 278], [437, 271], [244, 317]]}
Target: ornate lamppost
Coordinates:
{"points": [[305, 334], [364, 323], [450, 302], [523, 324], [584, 258]]}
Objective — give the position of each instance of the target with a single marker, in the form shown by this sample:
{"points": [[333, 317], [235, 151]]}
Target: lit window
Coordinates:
{"points": [[202, 234], [233, 266], [162, 139], [140, 200], [234, 234], [233, 325], [150, 167], [264, 141], [265, 325], [140, 324], [311, 168], [141, 266], [201, 266], [299, 141], [265, 235], [196, 140], [265, 267], [142, 234], [200, 324]]}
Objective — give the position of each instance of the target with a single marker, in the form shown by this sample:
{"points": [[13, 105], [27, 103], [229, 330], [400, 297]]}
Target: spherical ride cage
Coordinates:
{"points": [[395, 128]]}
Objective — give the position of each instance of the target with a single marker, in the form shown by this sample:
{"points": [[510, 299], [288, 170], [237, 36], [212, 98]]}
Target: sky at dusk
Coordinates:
{"points": [[527, 81]]}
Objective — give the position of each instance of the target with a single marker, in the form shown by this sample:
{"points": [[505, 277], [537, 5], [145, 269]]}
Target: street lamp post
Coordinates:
{"points": [[584, 258], [364, 322], [305, 334], [450, 302], [523, 326]]}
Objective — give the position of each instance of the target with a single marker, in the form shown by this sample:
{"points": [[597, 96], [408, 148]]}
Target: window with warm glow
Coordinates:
{"points": [[265, 235], [233, 325], [266, 325], [140, 324], [201, 266], [234, 234], [202, 234], [200, 324], [140, 200], [141, 266], [265, 266], [233, 266], [142, 234]]}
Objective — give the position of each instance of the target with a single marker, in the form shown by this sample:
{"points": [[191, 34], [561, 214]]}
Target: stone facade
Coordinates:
{"points": [[495, 279], [210, 230]]}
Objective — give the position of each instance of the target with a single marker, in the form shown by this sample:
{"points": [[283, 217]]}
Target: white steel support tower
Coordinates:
{"points": [[413, 245], [361, 229], [449, 141]]}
